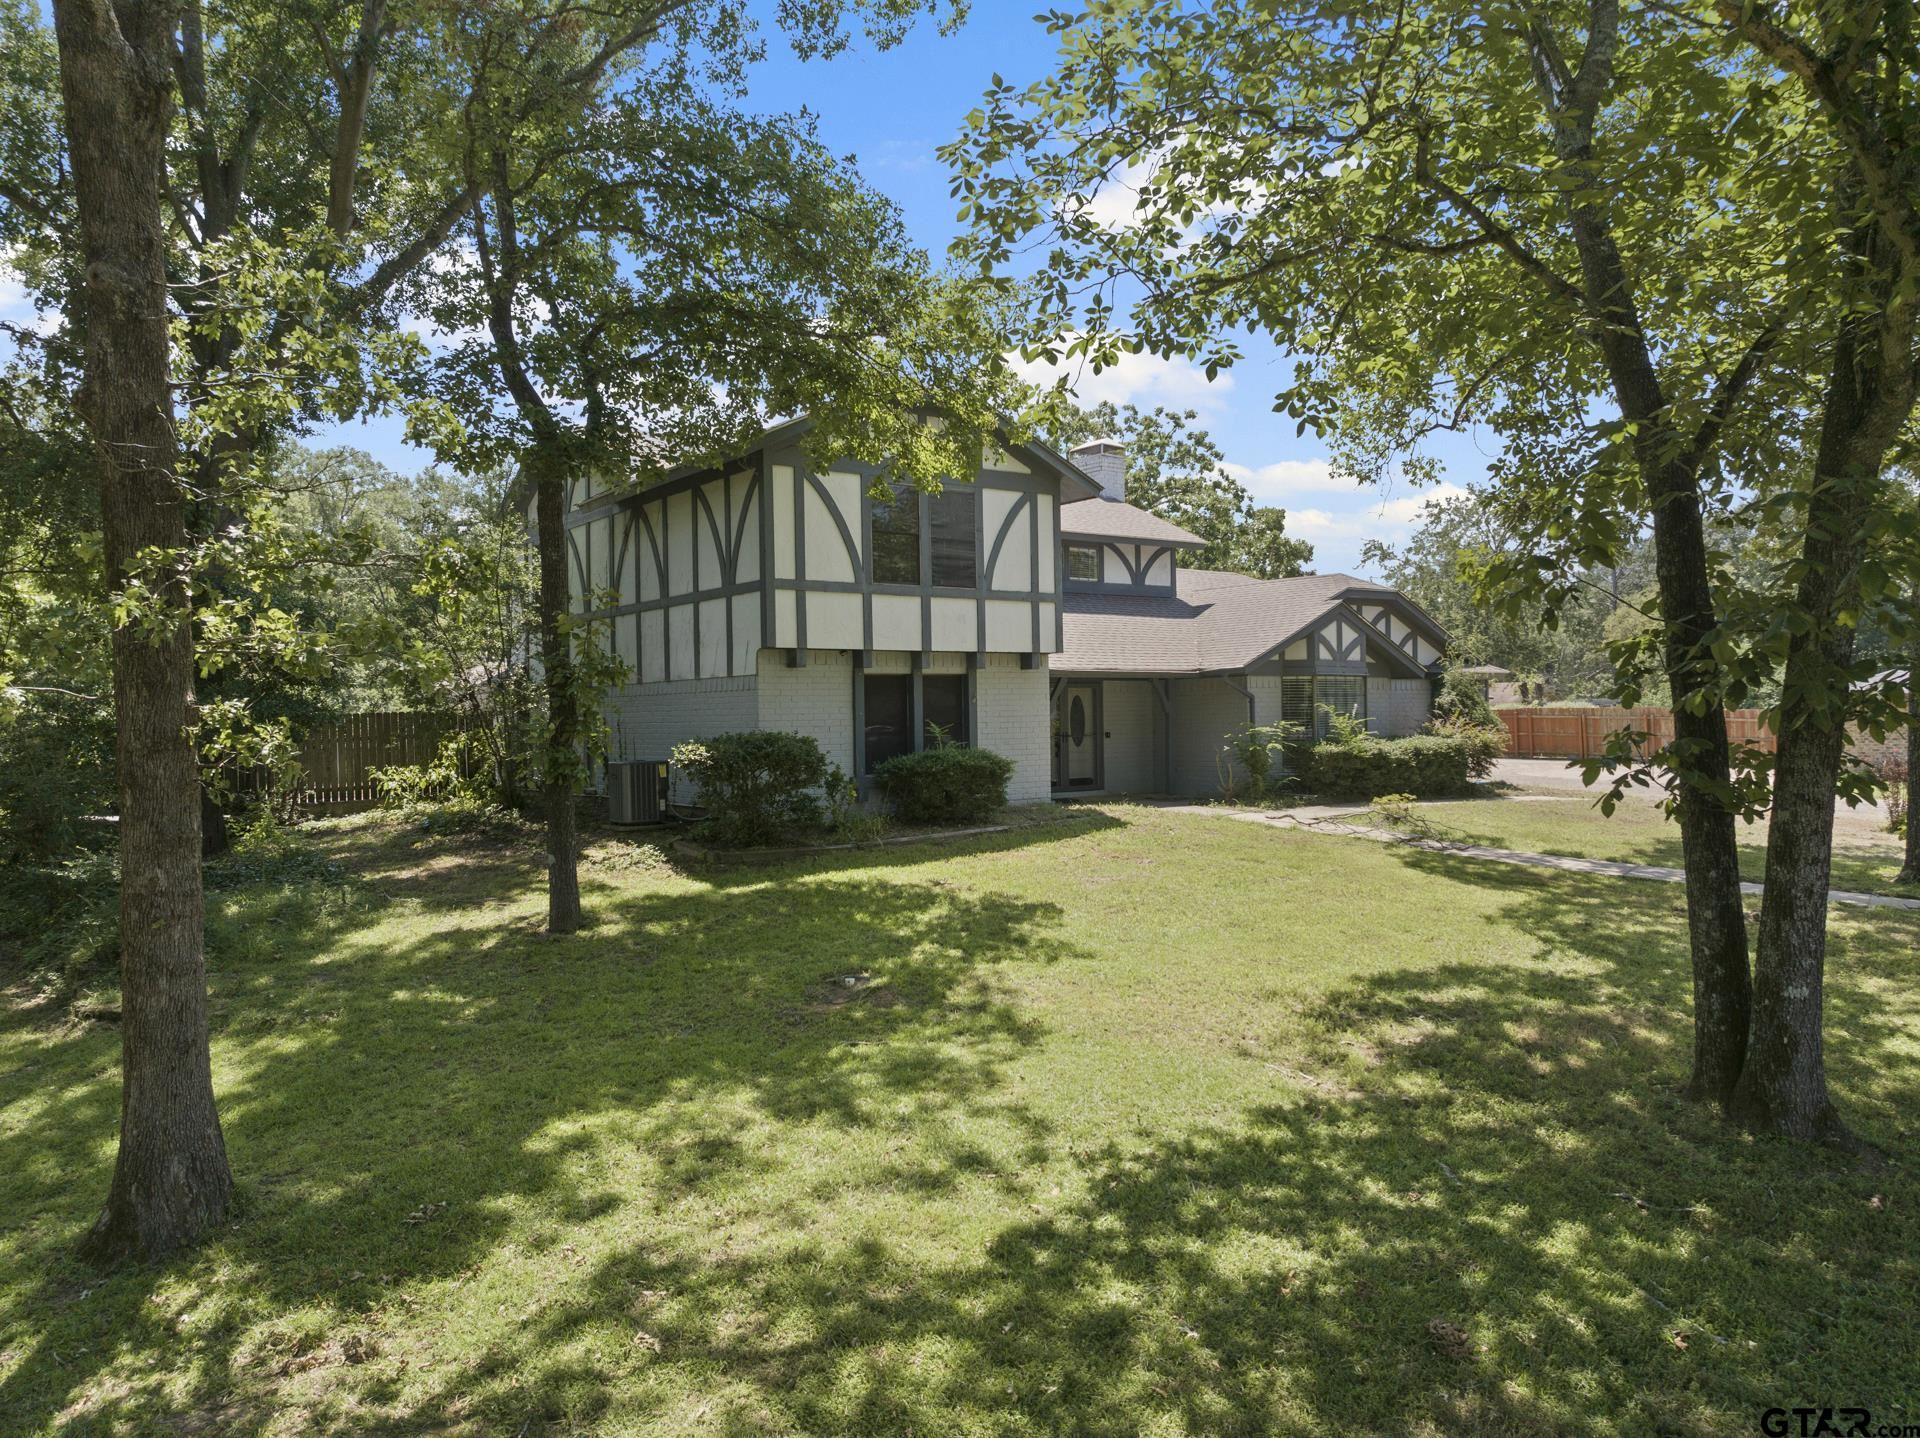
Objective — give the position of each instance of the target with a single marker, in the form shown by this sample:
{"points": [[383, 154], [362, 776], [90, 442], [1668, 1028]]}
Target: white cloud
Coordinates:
{"points": [[1390, 519], [1141, 379], [1285, 478], [1114, 203]]}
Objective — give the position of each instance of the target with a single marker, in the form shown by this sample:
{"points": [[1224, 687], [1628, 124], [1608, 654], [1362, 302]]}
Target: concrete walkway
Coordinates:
{"points": [[1335, 819]]}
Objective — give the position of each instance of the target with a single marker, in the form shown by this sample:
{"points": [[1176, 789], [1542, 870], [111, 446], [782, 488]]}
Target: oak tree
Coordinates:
{"points": [[1603, 232]]}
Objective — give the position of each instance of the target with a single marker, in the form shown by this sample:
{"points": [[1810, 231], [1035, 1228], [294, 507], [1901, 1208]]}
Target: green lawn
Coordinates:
{"points": [[1864, 857], [1138, 1124]]}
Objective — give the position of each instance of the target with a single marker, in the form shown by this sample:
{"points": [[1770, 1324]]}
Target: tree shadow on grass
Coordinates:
{"points": [[393, 1108], [1483, 1211], [454, 871], [1487, 1212]]}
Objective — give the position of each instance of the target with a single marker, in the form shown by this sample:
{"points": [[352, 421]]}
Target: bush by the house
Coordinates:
{"points": [[1462, 697], [1423, 765], [757, 787], [947, 784], [1485, 743], [1254, 749]]}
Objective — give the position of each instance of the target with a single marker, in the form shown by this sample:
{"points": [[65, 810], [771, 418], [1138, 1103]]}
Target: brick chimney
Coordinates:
{"points": [[1105, 461]]}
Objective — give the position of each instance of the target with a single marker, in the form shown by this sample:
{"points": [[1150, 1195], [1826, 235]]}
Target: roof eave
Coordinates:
{"points": [[1099, 538], [1425, 618]]}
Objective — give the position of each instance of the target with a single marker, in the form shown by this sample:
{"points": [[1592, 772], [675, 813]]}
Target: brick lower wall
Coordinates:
{"points": [[815, 699], [1408, 703], [645, 721], [1011, 705]]}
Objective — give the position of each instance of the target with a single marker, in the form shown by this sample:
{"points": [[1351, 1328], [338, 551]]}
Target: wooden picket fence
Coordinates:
{"points": [[1580, 732], [338, 758]]}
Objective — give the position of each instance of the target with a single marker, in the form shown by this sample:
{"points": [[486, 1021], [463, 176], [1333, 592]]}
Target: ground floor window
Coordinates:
{"points": [[888, 724], [1306, 699], [1296, 701], [889, 717], [943, 709], [1340, 694]]}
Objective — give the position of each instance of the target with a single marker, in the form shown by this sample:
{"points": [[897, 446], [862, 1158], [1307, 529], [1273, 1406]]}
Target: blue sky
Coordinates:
{"points": [[890, 111]]}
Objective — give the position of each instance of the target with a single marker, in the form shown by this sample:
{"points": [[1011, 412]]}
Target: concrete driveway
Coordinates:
{"points": [[1539, 774], [1562, 776]]}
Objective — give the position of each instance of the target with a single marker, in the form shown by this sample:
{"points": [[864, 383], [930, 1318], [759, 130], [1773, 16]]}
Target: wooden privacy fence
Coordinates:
{"points": [[1579, 732], [338, 758]]}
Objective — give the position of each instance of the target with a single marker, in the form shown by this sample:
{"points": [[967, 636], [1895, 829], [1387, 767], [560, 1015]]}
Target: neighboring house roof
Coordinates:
{"points": [[1115, 519], [1213, 622]]}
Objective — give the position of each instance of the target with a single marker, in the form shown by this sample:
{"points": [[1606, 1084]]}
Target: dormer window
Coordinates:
{"points": [[1083, 562]]}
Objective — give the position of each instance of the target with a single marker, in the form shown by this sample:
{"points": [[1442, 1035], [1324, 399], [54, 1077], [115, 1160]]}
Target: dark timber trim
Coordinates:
{"points": [[764, 489], [800, 554]]}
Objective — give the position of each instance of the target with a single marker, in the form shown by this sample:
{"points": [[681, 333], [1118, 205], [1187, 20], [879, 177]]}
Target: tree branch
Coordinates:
{"points": [[1727, 394], [1873, 154], [1491, 230]]}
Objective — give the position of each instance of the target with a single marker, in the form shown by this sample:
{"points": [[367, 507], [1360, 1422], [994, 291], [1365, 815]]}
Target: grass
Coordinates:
{"points": [[1140, 1123], [1865, 857]]}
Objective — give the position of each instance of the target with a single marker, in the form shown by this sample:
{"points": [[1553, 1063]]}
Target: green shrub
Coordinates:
{"points": [[758, 787], [946, 784], [1254, 748], [1422, 765], [1463, 697], [1485, 743]]}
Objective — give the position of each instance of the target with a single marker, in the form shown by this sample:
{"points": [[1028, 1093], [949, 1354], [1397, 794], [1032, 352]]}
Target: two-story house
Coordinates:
{"points": [[1026, 608]]}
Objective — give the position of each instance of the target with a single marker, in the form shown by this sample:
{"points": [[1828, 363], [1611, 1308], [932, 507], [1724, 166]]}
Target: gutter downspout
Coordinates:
{"points": [[1243, 691]]}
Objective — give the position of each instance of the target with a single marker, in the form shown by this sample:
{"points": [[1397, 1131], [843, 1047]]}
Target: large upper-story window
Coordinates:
{"points": [[953, 528], [953, 520], [896, 537]]}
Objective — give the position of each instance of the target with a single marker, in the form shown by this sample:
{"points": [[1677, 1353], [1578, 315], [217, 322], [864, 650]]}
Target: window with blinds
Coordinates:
{"points": [[1340, 694], [1296, 701]]}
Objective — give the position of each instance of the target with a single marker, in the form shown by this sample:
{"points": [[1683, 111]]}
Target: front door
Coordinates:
{"points": [[1076, 738]]}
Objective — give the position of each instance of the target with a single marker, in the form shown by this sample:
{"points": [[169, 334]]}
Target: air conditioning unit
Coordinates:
{"points": [[637, 791]]}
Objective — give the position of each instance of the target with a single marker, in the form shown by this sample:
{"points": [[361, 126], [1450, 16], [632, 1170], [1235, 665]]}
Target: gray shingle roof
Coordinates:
{"points": [[1116, 519], [1214, 621]]}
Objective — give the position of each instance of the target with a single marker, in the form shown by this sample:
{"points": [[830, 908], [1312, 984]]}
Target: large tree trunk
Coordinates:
{"points": [[1699, 755], [1709, 845], [1783, 1088], [171, 1180], [1910, 870], [563, 719], [1669, 464]]}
